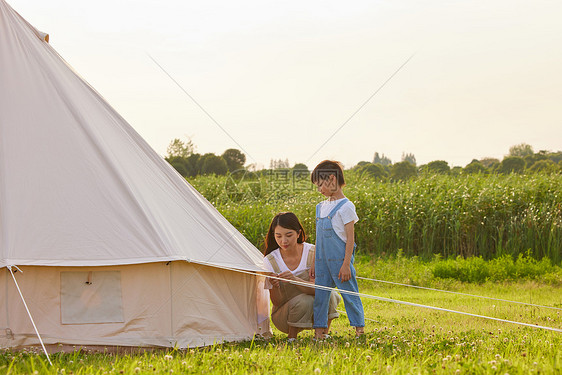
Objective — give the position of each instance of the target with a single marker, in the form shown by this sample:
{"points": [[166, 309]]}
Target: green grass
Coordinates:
{"points": [[400, 339]]}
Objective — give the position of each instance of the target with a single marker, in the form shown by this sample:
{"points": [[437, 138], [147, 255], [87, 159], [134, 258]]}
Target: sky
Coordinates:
{"points": [[314, 80]]}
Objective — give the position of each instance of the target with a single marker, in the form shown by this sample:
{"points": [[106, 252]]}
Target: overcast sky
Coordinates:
{"points": [[282, 77]]}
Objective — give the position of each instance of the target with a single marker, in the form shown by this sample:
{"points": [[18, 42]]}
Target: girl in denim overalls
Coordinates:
{"points": [[333, 266]]}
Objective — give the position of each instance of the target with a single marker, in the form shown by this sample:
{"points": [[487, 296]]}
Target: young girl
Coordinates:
{"points": [[289, 257], [335, 248]]}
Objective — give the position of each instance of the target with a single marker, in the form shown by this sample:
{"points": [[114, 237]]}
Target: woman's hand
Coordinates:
{"points": [[274, 282], [312, 272], [287, 275]]}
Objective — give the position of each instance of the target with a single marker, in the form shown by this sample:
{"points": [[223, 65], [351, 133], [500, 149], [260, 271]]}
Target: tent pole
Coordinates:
{"points": [[28, 313]]}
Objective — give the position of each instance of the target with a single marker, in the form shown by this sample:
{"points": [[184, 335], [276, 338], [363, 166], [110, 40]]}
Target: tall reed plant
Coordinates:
{"points": [[475, 215]]}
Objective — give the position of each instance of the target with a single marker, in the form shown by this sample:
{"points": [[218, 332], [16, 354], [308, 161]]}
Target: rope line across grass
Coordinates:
{"points": [[459, 293]]}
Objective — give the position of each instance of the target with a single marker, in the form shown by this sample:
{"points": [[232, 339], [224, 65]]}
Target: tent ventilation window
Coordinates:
{"points": [[91, 297]]}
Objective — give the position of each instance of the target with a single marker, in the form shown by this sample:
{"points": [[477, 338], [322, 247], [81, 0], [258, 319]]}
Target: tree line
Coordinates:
{"points": [[182, 156], [521, 159]]}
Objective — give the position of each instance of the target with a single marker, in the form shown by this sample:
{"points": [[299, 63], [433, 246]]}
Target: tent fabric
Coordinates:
{"points": [[116, 248], [163, 304], [78, 185]]}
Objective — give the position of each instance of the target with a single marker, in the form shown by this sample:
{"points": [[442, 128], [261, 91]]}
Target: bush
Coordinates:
{"points": [[476, 269]]}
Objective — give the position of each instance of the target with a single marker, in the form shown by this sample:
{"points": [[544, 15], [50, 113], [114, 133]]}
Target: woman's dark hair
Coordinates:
{"points": [[325, 169], [287, 220]]}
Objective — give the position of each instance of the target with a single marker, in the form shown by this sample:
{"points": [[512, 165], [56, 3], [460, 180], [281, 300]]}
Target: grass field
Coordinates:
{"points": [[400, 339]]}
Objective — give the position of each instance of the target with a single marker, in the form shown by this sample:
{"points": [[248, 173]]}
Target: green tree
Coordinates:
{"points": [[456, 171], [546, 165], [489, 162], [179, 148], [521, 150], [555, 156], [403, 171], [179, 165], [193, 163], [530, 160], [234, 159], [512, 164], [212, 164], [376, 171], [475, 167], [300, 167], [438, 167], [187, 167]]}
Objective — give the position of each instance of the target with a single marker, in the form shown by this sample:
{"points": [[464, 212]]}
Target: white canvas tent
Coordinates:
{"points": [[114, 246]]}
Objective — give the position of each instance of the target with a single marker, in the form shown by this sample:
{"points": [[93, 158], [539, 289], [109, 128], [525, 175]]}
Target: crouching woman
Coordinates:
{"points": [[288, 257]]}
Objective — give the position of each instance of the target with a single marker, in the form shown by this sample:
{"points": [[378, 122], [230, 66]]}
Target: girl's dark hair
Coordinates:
{"points": [[287, 220], [325, 169]]}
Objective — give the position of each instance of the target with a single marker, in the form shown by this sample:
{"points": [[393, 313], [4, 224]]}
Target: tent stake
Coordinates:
{"points": [[28, 313]]}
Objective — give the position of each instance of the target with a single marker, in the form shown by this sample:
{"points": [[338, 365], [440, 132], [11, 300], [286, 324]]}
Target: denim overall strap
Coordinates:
{"points": [[338, 206]]}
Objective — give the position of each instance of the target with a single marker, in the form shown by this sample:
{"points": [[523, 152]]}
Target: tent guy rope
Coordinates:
{"points": [[364, 295], [459, 293], [28, 313]]}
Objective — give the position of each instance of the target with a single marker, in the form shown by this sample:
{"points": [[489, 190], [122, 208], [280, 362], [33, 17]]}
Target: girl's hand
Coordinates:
{"points": [[345, 273], [311, 272]]}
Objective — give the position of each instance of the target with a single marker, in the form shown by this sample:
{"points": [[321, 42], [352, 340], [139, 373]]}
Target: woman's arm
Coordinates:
{"points": [[275, 293]]}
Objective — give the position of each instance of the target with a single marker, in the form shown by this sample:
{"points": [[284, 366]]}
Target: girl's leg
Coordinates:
{"points": [[319, 333], [359, 331], [321, 299], [333, 309], [353, 304]]}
